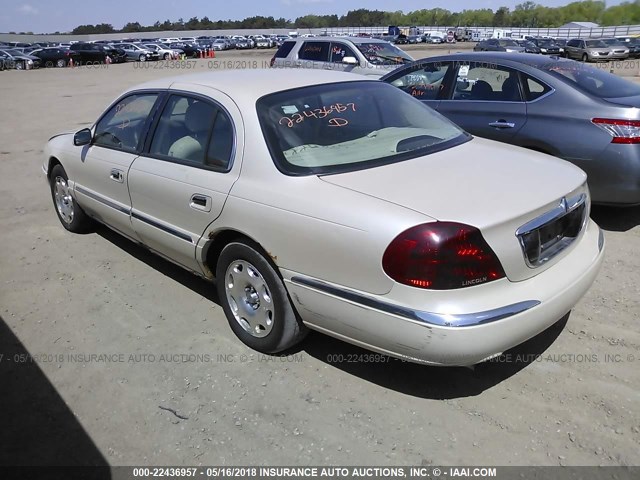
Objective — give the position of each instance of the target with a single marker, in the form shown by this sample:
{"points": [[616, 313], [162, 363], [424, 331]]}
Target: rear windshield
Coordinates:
{"points": [[596, 44], [333, 128], [508, 43], [593, 80]]}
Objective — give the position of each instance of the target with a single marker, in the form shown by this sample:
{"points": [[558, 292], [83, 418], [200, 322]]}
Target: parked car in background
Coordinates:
{"points": [[587, 50], [560, 107], [498, 45], [619, 50], [163, 52], [243, 44], [423, 265], [366, 56], [633, 44], [529, 46], [262, 42], [56, 57], [98, 53], [18, 60], [220, 44], [547, 46], [137, 52]]}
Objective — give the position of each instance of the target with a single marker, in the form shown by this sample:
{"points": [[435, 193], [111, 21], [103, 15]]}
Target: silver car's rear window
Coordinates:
{"points": [[338, 127]]}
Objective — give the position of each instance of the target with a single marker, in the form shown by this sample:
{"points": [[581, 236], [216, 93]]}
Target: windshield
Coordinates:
{"points": [[333, 128], [11, 51], [596, 44], [546, 43], [508, 43], [383, 53], [594, 80]]}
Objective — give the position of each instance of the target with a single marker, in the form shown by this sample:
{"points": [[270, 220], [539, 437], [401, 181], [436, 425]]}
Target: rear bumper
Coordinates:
{"points": [[614, 177], [520, 311]]}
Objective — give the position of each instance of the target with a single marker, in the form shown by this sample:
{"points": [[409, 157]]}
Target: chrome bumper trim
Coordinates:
{"points": [[428, 318]]}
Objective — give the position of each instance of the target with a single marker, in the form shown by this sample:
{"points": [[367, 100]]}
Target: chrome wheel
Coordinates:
{"points": [[249, 298], [63, 199]]}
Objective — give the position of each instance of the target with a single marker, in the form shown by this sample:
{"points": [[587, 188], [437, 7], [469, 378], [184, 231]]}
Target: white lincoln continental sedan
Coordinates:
{"points": [[322, 200]]}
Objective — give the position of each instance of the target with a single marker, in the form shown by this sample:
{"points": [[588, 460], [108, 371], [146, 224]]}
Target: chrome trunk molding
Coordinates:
{"points": [[427, 318]]}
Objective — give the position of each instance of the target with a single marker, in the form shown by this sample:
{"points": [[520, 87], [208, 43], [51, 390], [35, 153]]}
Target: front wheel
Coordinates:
{"points": [[142, 58], [255, 300], [69, 212], [61, 63], [585, 57], [167, 56], [20, 66]]}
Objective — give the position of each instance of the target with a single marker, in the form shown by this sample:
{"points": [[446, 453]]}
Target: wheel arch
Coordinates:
{"points": [[220, 239], [53, 161]]}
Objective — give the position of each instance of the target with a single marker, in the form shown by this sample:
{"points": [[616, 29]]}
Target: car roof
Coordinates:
{"points": [[349, 39], [530, 59], [253, 84]]}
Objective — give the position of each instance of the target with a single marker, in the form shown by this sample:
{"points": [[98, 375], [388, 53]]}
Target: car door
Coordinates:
{"points": [[179, 184], [101, 179], [425, 81], [486, 100], [313, 55]]}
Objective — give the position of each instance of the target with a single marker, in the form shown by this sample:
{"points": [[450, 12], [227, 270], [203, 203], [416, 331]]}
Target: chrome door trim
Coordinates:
{"points": [[103, 200], [160, 226]]}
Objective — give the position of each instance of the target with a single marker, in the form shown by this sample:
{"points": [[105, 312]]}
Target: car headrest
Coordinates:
{"points": [[197, 118], [481, 90]]}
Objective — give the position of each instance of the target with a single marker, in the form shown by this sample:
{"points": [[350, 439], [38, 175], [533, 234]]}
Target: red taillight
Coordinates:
{"points": [[622, 131], [441, 256], [273, 60]]}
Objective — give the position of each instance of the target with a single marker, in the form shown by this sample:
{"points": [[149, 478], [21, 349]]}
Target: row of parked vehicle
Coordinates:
{"points": [[26, 56], [585, 49]]}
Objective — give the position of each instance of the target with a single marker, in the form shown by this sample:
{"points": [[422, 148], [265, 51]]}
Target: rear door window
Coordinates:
{"points": [[315, 51], [339, 51], [480, 81], [285, 49]]}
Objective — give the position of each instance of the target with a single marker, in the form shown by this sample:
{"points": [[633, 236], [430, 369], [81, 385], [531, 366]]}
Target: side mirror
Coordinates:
{"points": [[82, 137], [350, 60]]}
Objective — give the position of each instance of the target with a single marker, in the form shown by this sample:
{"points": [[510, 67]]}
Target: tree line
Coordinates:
{"points": [[527, 14]]}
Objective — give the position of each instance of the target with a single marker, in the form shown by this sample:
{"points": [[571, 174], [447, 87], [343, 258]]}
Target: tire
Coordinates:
{"points": [[61, 63], [71, 216], [142, 58], [247, 282], [20, 66], [166, 56], [585, 57]]}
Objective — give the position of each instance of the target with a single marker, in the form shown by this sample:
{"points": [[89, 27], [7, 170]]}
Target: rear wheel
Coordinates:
{"points": [[167, 56], [20, 66], [255, 300], [69, 212]]}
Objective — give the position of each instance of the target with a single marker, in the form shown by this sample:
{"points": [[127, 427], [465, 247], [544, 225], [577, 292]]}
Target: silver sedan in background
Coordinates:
{"points": [[564, 108]]}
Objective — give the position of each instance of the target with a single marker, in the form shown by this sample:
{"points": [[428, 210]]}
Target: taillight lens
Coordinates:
{"points": [[622, 131], [441, 256]]}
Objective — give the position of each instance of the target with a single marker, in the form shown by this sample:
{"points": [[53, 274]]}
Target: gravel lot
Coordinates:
{"points": [[179, 389]]}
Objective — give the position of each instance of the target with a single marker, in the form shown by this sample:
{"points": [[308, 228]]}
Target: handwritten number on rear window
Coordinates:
{"points": [[319, 113]]}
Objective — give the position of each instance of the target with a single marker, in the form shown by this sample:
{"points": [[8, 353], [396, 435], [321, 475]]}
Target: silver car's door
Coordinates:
{"points": [[486, 100], [179, 184], [425, 81], [101, 181]]}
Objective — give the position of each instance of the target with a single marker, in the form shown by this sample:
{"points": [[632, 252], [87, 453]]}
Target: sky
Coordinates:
{"points": [[48, 16]]}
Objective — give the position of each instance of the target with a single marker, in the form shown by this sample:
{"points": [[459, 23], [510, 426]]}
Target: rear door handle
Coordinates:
{"points": [[200, 202], [502, 124], [116, 175]]}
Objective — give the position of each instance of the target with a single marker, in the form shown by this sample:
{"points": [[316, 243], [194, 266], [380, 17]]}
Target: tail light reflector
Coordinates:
{"points": [[441, 256]]}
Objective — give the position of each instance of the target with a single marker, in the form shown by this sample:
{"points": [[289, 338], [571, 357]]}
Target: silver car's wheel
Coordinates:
{"points": [[61, 63], [255, 300], [142, 58], [20, 66], [249, 298], [63, 199]]}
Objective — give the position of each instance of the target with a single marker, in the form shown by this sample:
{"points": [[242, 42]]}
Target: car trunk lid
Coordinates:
{"points": [[495, 187]]}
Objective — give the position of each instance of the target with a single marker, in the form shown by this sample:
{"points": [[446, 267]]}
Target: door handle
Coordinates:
{"points": [[502, 124], [200, 202], [116, 175]]}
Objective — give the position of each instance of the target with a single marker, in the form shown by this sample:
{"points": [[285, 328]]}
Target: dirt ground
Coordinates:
{"points": [[169, 383]]}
